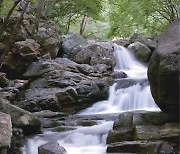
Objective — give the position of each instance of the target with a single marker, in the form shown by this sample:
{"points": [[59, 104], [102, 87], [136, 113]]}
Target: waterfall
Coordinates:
{"points": [[126, 62], [134, 95]]}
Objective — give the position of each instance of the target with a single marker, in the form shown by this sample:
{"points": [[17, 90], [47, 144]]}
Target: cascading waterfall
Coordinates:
{"points": [[135, 97], [92, 140]]}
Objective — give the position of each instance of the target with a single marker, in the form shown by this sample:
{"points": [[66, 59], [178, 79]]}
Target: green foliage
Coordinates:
{"points": [[4, 9], [124, 17], [143, 16], [68, 12], [96, 30]]}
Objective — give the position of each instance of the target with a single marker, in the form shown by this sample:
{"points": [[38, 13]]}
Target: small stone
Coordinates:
{"points": [[3, 80], [51, 148]]}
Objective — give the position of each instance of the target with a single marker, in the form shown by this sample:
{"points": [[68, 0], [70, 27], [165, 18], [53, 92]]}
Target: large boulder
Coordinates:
{"points": [[140, 147], [122, 42], [28, 49], [63, 85], [5, 131], [163, 70], [140, 38], [71, 45], [21, 118], [140, 131], [96, 54], [21, 56], [51, 148], [49, 37], [141, 51]]}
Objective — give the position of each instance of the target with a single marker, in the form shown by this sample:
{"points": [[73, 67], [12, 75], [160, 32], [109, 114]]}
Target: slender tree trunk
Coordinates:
{"points": [[8, 16], [39, 14], [13, 35], [69, 23], [83, 24]]}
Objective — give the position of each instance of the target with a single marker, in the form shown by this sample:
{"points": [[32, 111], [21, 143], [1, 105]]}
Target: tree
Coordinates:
{"points": [[4, 24], [144, 16], [66, 12], [83, 24], [39, 14]]}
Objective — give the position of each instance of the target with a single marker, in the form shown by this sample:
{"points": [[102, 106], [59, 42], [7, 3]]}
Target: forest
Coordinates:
{"points": [[98, 19], [89, 76]]}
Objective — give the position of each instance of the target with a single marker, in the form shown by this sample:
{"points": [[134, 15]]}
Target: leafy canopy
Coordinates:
{"points": [[144, 16]]}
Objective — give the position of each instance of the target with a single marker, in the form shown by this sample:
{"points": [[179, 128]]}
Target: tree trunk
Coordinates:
{"points": [[8, 16], [69, 23], [39, 14], [13, 35], [83, 24]]}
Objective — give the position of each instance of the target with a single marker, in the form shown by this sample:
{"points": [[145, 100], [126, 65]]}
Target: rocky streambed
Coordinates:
{"points": [[44, 85]]}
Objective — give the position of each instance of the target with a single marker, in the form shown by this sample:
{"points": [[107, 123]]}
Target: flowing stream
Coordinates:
{"points": [[92, 139]]}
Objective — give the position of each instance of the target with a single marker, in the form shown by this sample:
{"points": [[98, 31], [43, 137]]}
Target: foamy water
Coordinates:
{"points": [[92, 140]]}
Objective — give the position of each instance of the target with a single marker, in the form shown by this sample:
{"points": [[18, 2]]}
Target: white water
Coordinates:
{"points": [[135, 97], [127, 63], [92, 140], [83, 140]]}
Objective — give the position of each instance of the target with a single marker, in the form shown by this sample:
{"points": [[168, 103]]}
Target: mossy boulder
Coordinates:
{"points": [[163, 70]]}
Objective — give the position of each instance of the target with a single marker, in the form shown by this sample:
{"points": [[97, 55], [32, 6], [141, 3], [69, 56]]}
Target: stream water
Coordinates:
{"points": [[92, 139]]}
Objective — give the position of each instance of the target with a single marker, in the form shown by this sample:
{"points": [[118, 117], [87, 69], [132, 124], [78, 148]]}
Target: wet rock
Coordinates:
{"points": [[122, 42], [141, 51], [140, 147], [3, 80], [119, 75], [51, 148], [63, 85], [139, 38], [5, 131], [17, 141], [86, 123], [140, 131], [126, 82], [157, 132], [21, 118], [49, 114], [95, 54], [72, 44], [124, 120], [151, 118], [125, 134], [60, 129], [163, 71]]}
